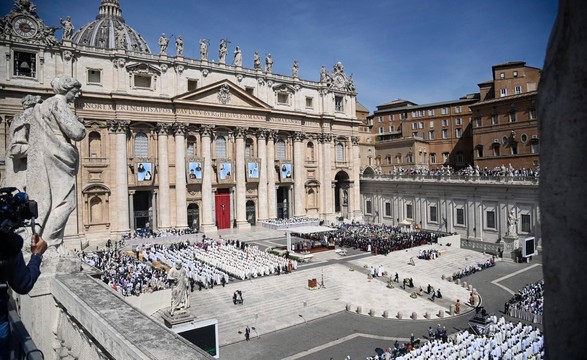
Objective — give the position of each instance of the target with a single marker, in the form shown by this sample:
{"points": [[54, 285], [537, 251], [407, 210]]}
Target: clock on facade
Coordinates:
{"points": [[339, 81], [25, 27]]}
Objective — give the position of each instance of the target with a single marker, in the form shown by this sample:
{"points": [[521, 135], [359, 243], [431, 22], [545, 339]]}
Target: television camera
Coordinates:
{"points": [[16, 210]]}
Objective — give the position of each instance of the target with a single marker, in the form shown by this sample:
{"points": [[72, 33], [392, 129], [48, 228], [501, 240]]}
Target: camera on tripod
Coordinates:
{"points": [[16, 210]]}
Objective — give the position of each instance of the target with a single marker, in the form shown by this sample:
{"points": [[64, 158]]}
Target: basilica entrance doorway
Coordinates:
{"points": [[143, 210], [193, 216], [223, 208], [251, 218], [283, 202], [341, 194]]}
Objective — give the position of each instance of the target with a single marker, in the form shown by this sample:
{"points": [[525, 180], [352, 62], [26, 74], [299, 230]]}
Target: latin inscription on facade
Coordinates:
{"points": [[220, 114]]}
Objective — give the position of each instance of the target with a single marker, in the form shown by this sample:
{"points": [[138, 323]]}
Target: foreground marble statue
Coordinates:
{"points": [[180, 294], [53, 160], [18, 146], [512, 224]]}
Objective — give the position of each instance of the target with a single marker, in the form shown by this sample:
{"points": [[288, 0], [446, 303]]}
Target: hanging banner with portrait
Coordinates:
{"points": [[224, 171], [285, 172], [195, 171], [144, 173], [253, 166]]}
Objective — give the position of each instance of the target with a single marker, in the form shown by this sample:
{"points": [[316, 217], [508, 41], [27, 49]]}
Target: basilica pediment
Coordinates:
{"points": [[222, 93]]}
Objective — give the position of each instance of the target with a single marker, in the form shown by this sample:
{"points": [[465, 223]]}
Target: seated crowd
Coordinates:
{"points": [[528, 303], [471, 269], [296, 220], [126, 274], [505, 340], [380, 238], [497, 171], [149, 234], [431, 254]]}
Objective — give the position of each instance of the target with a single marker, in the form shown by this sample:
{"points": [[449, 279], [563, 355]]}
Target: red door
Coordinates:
{"points": [[223, 208]]}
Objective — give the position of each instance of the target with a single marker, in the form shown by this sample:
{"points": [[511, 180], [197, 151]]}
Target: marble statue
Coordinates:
{"points": [[17, 149], [222, 50], [295, 69], [203, 49], [268, 64], [53, 160], [238, 57], [163, 42], [257, 61], [67, 28], [119, 38], [179, 45], [512, 224], [180, 294], [323, 74]]}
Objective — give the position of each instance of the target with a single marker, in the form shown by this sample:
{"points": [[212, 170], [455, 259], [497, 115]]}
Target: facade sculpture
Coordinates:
{"points": [[323, 74], [222, 50], [257, 61], [180, 294], [204, 49], [268, 64], [238, 57], [179, 46], [512, 224], [163, 42], [119, 38], [52, 163], [295, 69], [67, 28]]}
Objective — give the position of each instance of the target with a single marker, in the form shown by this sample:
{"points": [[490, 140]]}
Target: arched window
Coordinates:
{"points": [[339, 152], [249, 148], [95, 210], [191, 150], [398, 158], [141, 145], [388, 159], [409, 158], [280, 147], [220, 147], [95, 147], [310, 151]]}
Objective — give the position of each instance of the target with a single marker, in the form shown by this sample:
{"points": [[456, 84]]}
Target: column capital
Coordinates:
{"points": [[324, 138], [163, 128], [261, 134], [240, 132], [271, 134], [355, 140], [207, 130], [118, 126], [179, 129], [299, 136]]}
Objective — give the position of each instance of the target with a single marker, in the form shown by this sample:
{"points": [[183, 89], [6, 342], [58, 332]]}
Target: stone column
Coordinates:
{"points": [[356, 188], [154, 214], [262, 189], [241, 182], [327, 192], [181, 212], [163, 174], [120, 210], [299, 176], [131, 207], [271, 194], [207, 224]]}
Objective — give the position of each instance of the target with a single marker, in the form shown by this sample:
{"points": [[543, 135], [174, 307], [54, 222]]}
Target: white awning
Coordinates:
{"points": [[406, 222], [310, 229]]}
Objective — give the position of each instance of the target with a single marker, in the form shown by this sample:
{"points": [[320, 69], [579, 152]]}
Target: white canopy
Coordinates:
{"points": [[406, 222], [310, 229]]}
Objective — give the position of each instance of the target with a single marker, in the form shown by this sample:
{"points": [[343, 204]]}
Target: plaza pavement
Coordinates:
{"points": [[274, 305]]}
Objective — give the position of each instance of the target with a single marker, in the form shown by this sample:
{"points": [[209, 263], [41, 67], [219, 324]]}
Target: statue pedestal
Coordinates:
{"points": [[180, 317], [510, 246]]}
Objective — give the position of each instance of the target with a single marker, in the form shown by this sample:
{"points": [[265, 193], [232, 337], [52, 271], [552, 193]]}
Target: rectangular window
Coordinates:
{"points": [[495, 149], [391, 128], [431, 135], [94, 76], [514, 149], [403, 116], [142, 81], [409, 211], [391, 117], [431, 124], [445, 157], [535, 147], [25, 64], [193, 85], [458, 132], [380, 119], [433, 214], [283, 98], [479, 151], [490, 219], [368, 207], [461, 216], [445, 133], [458, 121], [444, 111], [515, 73], [338, 104], [444, 122], [433, 158], [526, 224], [532, 114], [478, 122], [414, 126], [458, 109], [388, 209], [512, 117], [502, 75], [309, 102], [431, 112], [421, 125], [414, 134], [381, 130], [518, 89], [494, 119], [503, 92]]}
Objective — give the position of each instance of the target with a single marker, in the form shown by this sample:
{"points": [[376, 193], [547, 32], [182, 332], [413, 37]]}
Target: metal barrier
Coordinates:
{"points": [[21, 344]]}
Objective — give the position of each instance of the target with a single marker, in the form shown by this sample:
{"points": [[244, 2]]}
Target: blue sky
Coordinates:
{"points": [[420, 50]]}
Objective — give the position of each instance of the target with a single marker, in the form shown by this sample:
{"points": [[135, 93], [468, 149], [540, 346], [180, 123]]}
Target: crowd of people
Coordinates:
{"points": [[505, 340], [291, 222], [126, 274], [497, 171], [528, 303], [473, 268], [431, 254], [380, 239], [150, 234]]}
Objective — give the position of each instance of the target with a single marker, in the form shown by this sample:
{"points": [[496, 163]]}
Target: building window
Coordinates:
{"points": [[380, 119], [535, 147], [526, 224], [433, 214], [518, 89], [409, 214], [280, 147], [445, 133], [388, 159], [458, 121], [25, 64], [387, 210], [431, 125], [141, 145], [495, 149], [460, 157], [478, 122], [338, 104], [490, 219], [515, 73], [381, 131], [403, 116], [458, 132], [95, 142], [458, 109], [310, 156], [391, 117], [514, 149], [502, 75], [431, 112], [524, 138], [249, 148], [421, 125], [494, 119], [368, 207], [415, 134], [191, 149], [283, 98], [339, 152], [532, 114], [431, 135], [445, 157], [409, 158], [142, 81], [433, 158], [94, 76], [460, 216], [512, 116], [504, 140], [444, 111], [444, 122], [193, 84], [220, 147], [398, 159], [309, 102], [479, 151], [503, 92], [414, 126], [391, 128]]}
